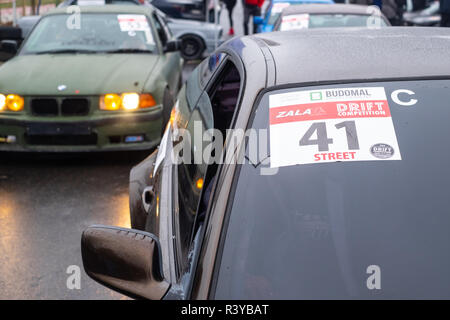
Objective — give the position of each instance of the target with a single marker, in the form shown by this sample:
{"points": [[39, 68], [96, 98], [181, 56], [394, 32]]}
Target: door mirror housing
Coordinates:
{"points": [[258, 20], [173, 45], [125, 260], [8, 49]]}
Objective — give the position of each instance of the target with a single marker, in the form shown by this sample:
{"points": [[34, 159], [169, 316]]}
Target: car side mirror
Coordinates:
{"points": [[258, 20], [173, 45], [125, 260], [8, 49]]}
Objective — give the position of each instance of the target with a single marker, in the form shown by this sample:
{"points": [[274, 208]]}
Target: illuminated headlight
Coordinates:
{"points": [[130, 101], [12, 102], [110, 102], [126, 101]]}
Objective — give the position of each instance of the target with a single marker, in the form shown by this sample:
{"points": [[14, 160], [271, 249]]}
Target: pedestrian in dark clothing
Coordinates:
{"points": [[393, 10], [444, 8], [252, 8], [230, 6], [419, 5]]}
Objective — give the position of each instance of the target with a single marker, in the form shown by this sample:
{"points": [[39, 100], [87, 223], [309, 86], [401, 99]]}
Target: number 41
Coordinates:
{"points": [[323, 141]]}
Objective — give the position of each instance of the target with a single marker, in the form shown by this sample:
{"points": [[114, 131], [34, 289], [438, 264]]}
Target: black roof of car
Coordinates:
{"points": [[335, 54], [329, 9]]}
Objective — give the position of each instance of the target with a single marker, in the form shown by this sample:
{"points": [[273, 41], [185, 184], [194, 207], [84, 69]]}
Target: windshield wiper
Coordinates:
{"points": [[129, 51], [66, 51]]}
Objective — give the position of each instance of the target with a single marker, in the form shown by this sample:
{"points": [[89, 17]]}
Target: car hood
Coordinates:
{"points": [[86, 73]]}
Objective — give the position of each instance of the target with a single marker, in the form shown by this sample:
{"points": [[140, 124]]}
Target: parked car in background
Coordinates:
{"points": [[346, 199], [427, 17], [272, 10], [106, 84], [182, 9], [310, 16]]}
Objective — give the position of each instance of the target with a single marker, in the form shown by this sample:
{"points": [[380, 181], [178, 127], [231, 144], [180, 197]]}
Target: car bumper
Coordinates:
{"points": [[107, 133]]}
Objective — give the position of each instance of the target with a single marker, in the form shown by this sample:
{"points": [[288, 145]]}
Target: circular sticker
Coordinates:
{"points": [[382, 151]]}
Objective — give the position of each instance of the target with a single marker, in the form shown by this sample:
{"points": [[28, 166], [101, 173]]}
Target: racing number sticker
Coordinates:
{"points": [[132, 22], [329, 125], [295, 22]]}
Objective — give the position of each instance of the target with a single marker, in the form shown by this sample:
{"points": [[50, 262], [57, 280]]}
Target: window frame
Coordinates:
{"points": [[196, 240]]}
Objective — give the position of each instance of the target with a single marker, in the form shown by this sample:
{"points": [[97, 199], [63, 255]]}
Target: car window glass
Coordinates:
{"points": [[318, 230], [200, 77], [160, 30], [209, 66], [311, 21], [98, 32], [165, 26], [214, 110]]}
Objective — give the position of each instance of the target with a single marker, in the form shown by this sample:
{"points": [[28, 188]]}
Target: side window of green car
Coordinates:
{"points": [[160, 30]]}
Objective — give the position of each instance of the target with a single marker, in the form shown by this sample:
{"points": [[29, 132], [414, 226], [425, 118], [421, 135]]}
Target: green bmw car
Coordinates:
{"points": [[97, 78]]}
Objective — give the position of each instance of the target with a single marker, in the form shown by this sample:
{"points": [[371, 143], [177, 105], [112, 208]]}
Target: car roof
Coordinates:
{"points": [[329, 9], [110, 8], [334, 54]]}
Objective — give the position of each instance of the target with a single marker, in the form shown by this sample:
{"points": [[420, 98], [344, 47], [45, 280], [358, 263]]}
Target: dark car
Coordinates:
{"points": [[346, 195], [182, 9], [309, 16], [428, 17]]}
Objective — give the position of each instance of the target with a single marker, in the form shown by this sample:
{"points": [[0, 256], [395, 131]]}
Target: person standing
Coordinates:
{"points": [[252, 8], [444, 8], [419, 5], [230, 6], [390, 10]]}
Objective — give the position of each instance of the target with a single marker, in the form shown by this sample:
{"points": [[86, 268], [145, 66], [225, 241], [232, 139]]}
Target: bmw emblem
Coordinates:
{"points": [[62, 87]]}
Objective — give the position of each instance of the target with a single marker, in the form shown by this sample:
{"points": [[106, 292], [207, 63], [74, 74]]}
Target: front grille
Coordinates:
{"points": [[62, 140], [75, 107], [64, 106], [44, 107]]}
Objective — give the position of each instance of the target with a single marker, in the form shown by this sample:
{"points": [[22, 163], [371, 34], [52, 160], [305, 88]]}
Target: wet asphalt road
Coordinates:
{"points": [[46, 201]]}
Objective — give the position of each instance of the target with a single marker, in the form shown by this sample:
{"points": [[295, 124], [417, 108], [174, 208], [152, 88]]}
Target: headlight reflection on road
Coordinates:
{"points": [[122, 218]]}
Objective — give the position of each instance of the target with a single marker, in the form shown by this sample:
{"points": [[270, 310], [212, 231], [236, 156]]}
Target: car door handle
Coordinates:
{"points": [[148, 197]]}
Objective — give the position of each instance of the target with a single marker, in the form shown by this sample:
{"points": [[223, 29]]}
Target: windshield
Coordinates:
{"points": [[357, 205], [304, 21], [276, 10], [92, 33]]}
